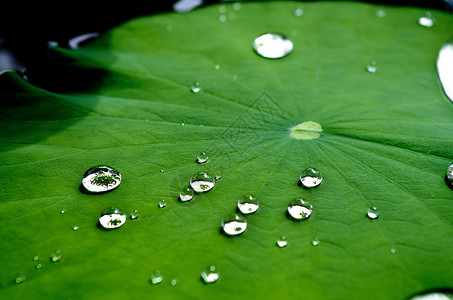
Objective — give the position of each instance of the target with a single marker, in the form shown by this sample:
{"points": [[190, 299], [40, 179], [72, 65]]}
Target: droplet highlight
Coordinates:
{"points": [[62, 212], [427, 20], [202, 182], [299, 209], [156, 278], [196, 87], [202, 157], [373, 212], [272, 45], [134, 215], [211, 275], [112, 218], [75, 228], [234, 224], [101, 179], [371, 67], [248, 204], [282, 242], [310, 177], [186, 194], [162, 203], [315, 241]]}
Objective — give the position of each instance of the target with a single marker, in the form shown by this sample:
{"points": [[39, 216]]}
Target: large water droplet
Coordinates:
{"points": [[310, 177], [433, 295], [427, 20], [248, 204], [210, 276], [100, 179], [282, 242], [196, 87], [234, 224], [202, 182], [315, 241], [20, 278], [112, 218], [186, 194], [300, 209], [202, 157], [373, 212], [134, 215], [162, 203], [272, 45], [156, 278], [372, 67], [445, 68]]}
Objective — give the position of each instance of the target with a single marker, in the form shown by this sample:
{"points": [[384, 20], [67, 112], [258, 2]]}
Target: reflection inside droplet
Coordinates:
{"points": [[112, 218], [234, 224], [272, 45]]}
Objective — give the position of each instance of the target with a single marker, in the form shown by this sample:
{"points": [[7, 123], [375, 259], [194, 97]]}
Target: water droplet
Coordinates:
{"points": [[234, 224], [162, 170], [186, 194], [433, 295], [210, 276], [310, 177], [202, 157], [298, 12], [222, 9], [272, 45], [101, 179], [75, 228], [217, 67], [20, 278], [222, 18], [36, 258], [282, 242], [427, 20], [58, 251], [183, 123], [162, 203], [169, 28], [174, 282], [300, 209], [156, 278], [315, 241], [445, 68], [196, 87], [134, 214], [38, 266], [393, 250], [62, 212], [380, 13], [372, 67], [237, 6], [248, 204], [218, 176], [373, 212], [112, 218], [202, 182], [56, 257], [450, 173]]}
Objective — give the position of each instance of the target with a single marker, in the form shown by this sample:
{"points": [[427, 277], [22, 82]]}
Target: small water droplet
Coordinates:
{"points": [[210, 276], [217, 67], [248, 204], [298, 12], [38, 266], [315, 241], [36, 258], [58, 251], [202, 182], [20, 278], [162, 203], [310, 177], [427, 20], [218, 176], [222, 9], [134, 215], [56, 257], [393, 250], [101, 179], [162, 170], [380, 13], [62, 212], [373, 212], [169, 28], [174, 282], [196, 87], [282, 242], [222, 18], [75, 228], [156, 278], [237, 6], [300, 209], [112, 218], [234, 224], [183, 123], [372, 67], [202, 157], [272, 45], [186, 194]]}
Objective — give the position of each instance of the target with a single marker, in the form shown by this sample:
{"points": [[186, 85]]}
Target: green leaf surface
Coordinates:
{"points": [[386, 142]]}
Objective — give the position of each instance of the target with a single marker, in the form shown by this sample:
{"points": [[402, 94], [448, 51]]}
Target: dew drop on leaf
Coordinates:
{"points": [[371, 67], [202, 182], [174, 282], [156, 278], [380, 13], [299, 209], [373, 212], [162, 203], [234, 224], [36, 258], [427, 20], [202, 157], [101, 179], [186, 194], [298, 12], [272, 45], [282, 242], [112, 218], [315, 241], [310, 177], [248, 204], [195, 88], [75, 228], [210, 276], [450, 173], [20, 278], [134, 215], [38, 266]]}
